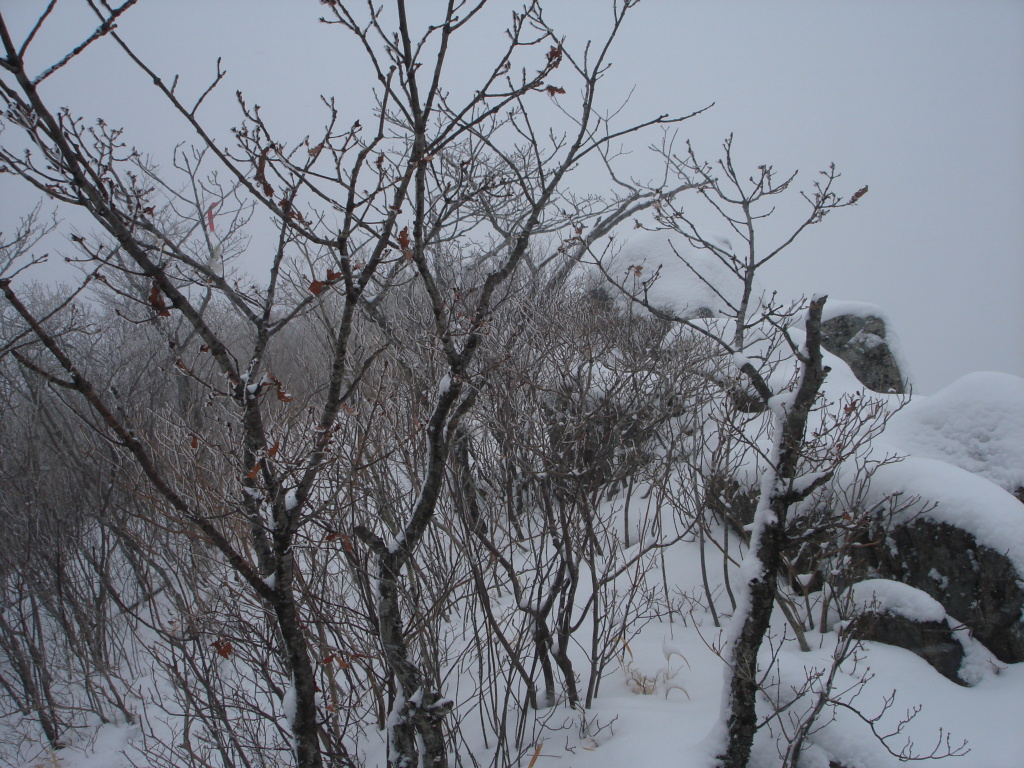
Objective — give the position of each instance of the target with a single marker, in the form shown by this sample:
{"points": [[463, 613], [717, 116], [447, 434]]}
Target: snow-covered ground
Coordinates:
{"points": [[660, 704], [658, 707]]}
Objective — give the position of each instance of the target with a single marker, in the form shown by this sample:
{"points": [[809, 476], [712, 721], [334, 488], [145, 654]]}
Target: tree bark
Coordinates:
{"points": [[767, 547]]}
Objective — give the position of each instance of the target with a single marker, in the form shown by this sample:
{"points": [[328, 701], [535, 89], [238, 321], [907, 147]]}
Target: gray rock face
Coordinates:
{"points": [[974, 583], [860, 342]]}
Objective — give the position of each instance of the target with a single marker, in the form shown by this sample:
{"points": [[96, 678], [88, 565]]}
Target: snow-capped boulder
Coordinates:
{"points": [[960, 539], [897, 614], [859, 335], [975, 583]]}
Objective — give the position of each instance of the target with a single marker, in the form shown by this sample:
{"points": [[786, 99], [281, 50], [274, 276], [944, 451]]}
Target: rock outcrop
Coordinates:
{"points": [[897, 614], [860, 341], [961, 537], [933, 641], [974, 583]]}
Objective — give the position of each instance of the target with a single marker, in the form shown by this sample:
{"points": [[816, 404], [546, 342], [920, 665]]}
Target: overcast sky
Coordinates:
{"points": [[923, 101]]}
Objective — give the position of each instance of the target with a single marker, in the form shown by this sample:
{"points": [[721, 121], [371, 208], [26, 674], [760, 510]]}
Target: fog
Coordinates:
{"points": [[922, 101]]}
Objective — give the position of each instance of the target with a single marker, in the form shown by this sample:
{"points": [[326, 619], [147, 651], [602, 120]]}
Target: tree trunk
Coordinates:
{"points": [[305, 721], [416, 711], [743, 686], [767, 544]]}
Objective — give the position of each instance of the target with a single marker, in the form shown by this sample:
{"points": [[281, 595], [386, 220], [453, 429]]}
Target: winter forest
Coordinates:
{"points": [[397, 445]]}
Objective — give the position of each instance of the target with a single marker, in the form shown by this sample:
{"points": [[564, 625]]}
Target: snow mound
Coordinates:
{"points": [[976, 423], [897, 598], [678, 289]]}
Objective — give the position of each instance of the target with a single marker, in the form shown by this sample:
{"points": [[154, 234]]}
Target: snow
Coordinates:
{"points": [[782, 403], [740, 360], [833, 309], [898, 599], [110, 740], [288, 704], [661, 705], [947, 494], [867, 340], [677, 288], [976, 423], [941, 580]]}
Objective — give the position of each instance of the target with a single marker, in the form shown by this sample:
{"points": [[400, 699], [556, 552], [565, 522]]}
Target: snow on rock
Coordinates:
{"points": [[956, 497], [976, 423], [862, 309], [960, 538], [900, 599]]}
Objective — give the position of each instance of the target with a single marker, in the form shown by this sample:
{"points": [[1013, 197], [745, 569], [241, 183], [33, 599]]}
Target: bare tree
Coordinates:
{"points": [[780, 373], [443, 200]]}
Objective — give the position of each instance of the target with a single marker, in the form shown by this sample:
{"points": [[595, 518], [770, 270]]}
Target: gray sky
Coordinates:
{"points": [[923, 101]]}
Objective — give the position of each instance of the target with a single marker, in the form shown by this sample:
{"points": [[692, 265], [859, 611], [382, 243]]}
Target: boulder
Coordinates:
{"points": [[958, 537], [975, 584], [859, 339], [897, 614], [933, 641]]}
